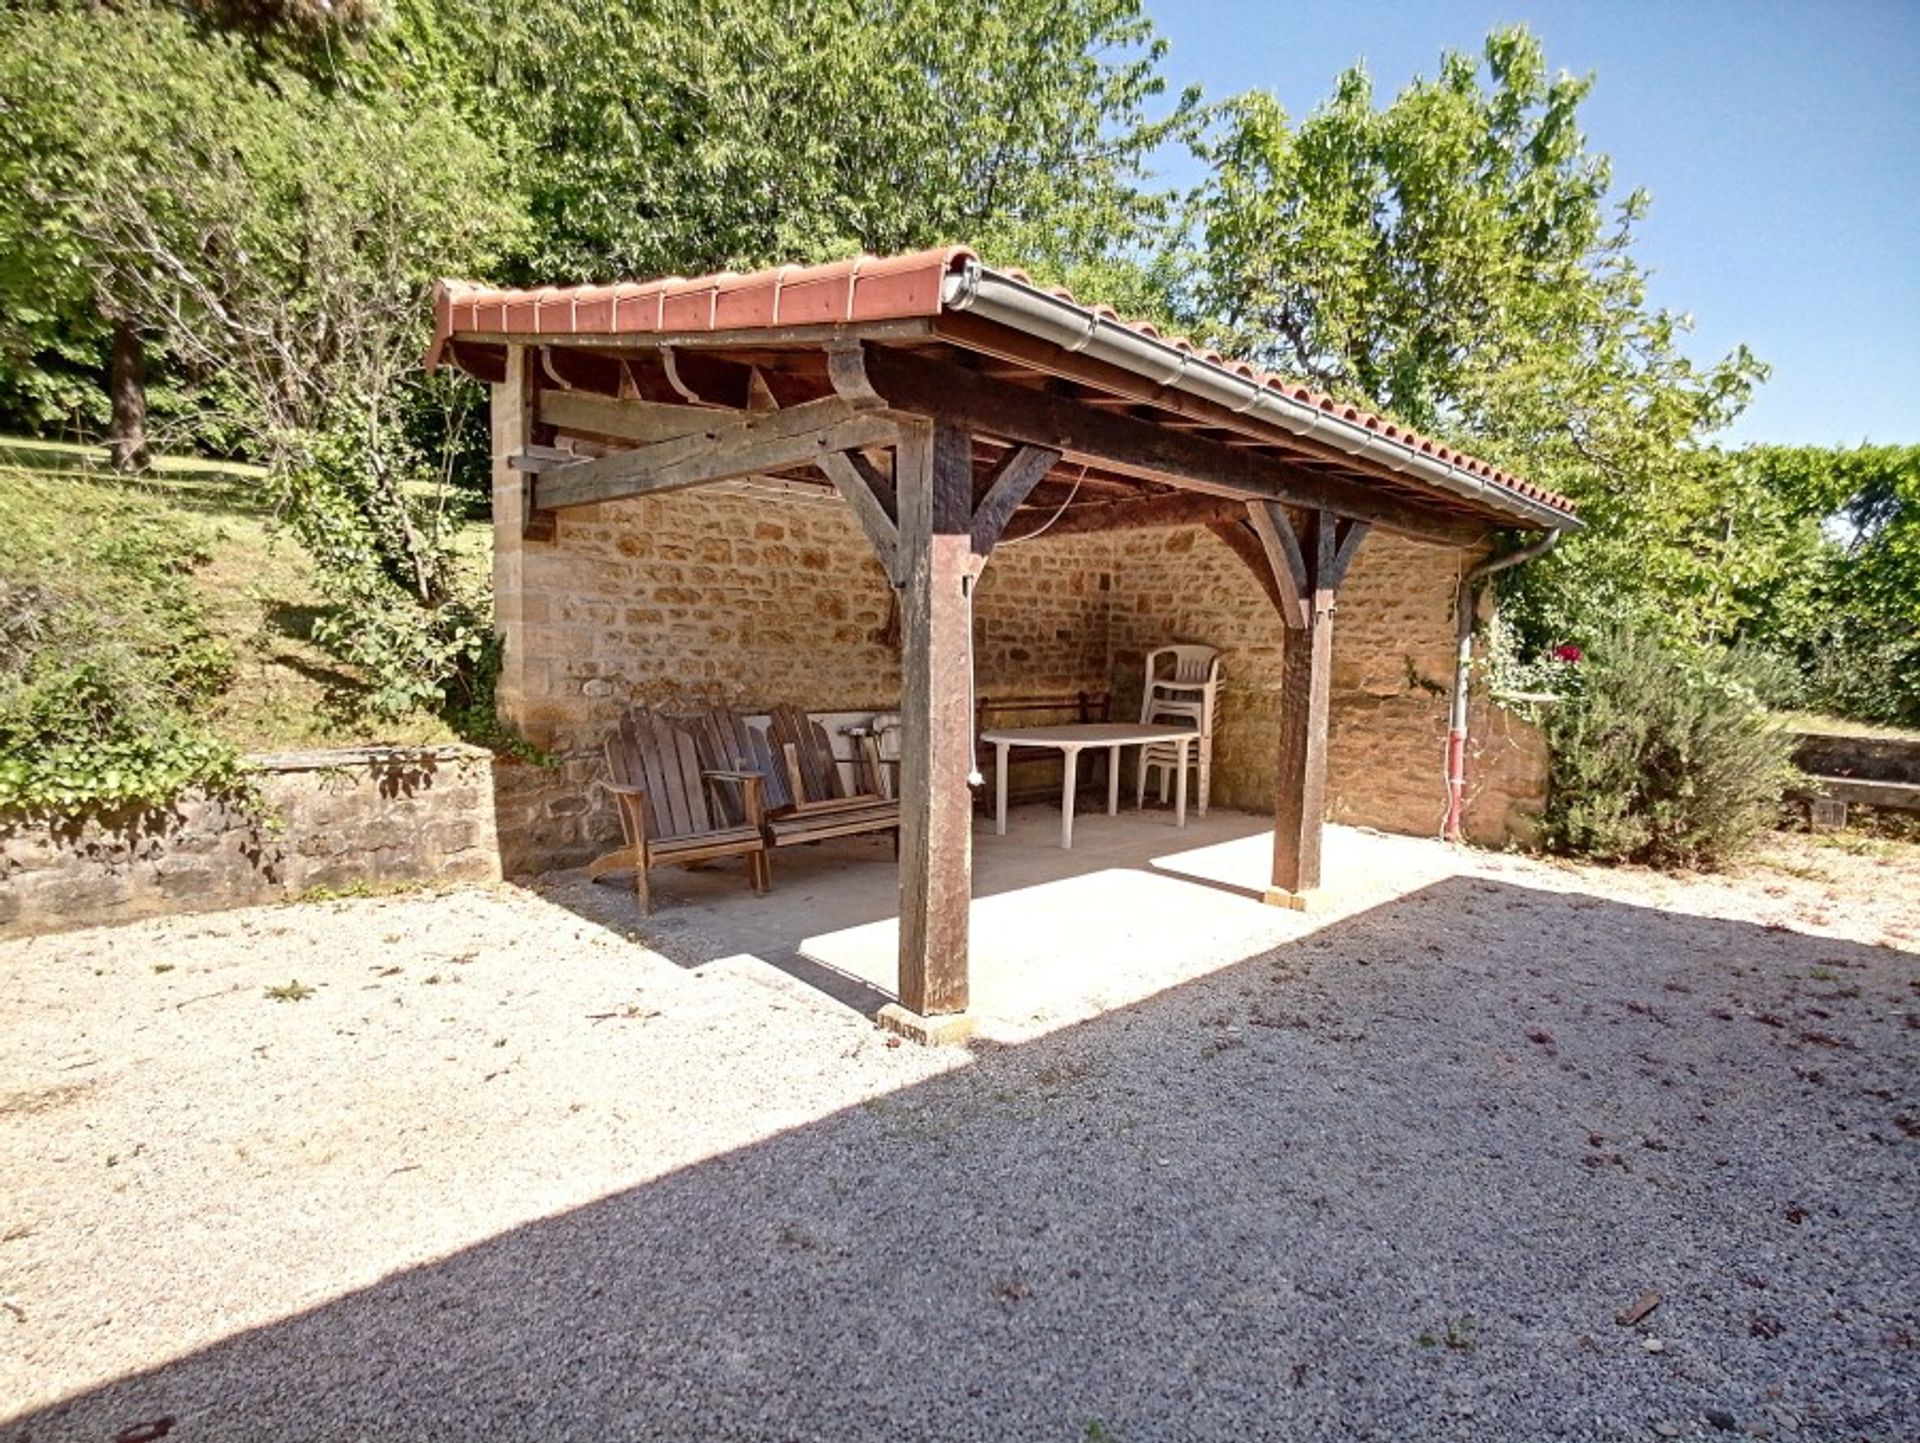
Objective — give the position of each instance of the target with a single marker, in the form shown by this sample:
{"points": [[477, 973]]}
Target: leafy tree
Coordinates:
{"points": [[695, 135], [1455, 257], [1820, 564], [278, 238]]}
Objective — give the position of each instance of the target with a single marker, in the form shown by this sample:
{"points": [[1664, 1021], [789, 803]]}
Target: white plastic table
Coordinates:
{"points": [[1072, 738]]}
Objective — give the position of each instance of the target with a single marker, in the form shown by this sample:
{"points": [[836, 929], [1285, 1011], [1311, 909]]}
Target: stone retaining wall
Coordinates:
{"points": [[1875, 759], [328, 819]]}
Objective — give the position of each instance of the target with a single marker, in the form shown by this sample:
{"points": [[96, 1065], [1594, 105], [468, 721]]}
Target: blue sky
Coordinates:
{"points": [[1781, 143]]}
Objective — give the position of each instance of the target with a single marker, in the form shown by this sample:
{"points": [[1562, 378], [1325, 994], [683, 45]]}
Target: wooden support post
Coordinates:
{"points": [[934, 477], [513, 426], [1309, 571]]}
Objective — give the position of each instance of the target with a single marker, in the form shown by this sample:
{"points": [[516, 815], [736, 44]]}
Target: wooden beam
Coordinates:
{"points": [[1144, 449], [1146, 513], [934, 473], [1352, 533], [1306, 674], [1300, 802], [645, 422], [1240, 540], [1292, 579], [512, 427], [1012, 482], [870, 497], [736, 446]]}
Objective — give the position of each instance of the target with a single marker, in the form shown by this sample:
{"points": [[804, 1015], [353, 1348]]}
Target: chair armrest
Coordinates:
{"points": [[839, 804], [750, 784], [632, 802]]}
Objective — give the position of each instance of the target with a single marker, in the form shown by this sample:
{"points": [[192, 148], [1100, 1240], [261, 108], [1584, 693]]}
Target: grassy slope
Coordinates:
{"points": [[1806, 721], [258, 588], [261, 597]]}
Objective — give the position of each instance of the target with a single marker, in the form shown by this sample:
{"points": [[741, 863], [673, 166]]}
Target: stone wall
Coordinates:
{"points": [[755, 595], [1393, 646], [332, 819]]}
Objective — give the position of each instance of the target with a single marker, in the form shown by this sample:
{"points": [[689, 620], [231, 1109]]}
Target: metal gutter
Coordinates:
{"points": [[1010, 302]]}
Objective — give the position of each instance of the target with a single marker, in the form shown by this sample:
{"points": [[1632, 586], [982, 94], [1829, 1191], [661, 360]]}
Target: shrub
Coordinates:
{"points": [[1661, 756], [104, 653]]}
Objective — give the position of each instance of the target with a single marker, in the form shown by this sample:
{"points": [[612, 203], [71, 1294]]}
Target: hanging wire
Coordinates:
{"points": [[1058, 512]]}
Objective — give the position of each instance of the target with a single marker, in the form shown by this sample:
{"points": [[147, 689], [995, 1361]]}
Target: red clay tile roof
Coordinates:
{"points": [[864, 289]]}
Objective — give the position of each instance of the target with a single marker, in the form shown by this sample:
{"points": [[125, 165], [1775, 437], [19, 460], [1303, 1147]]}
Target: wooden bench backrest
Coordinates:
{"points": [[812, 753], [650, 752], [728, 743], [1082, 706]]}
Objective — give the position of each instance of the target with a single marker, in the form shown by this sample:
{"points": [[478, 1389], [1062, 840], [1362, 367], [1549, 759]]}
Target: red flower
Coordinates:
{"points": [[1567, 652]]}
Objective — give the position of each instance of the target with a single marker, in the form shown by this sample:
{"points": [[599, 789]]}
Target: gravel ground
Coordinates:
{"points": [[508, 1173]]}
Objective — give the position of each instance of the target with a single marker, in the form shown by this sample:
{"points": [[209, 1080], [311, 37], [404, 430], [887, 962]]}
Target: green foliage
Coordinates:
{"points": [[104, 653], [406, 614], [1456, 257], [1821, 559], [697, 135], [1660, 756], [278, 238]]}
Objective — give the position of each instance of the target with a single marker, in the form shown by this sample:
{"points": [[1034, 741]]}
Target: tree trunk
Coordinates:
{"points": [[127, 388]]}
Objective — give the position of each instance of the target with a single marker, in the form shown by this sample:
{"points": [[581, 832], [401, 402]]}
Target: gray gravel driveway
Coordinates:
{"points": [[1393, 1179]]}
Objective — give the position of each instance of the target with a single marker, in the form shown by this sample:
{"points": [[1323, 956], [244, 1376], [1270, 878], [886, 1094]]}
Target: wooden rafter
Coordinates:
{"points": [[1132, 447], [870, 496], [1011, 483], [1136, 513]]}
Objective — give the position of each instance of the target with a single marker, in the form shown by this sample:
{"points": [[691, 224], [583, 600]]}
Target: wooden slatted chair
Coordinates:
{"points": [[666, 813], [806, 799]]}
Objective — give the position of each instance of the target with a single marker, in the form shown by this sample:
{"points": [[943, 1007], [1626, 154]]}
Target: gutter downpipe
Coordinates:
{"points": [[1465, 604]]}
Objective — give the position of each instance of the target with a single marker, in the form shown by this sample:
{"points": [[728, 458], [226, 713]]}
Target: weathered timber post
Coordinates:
{"points": [[1305, 694], [934, 477], [512, 416], [1306, 573]]}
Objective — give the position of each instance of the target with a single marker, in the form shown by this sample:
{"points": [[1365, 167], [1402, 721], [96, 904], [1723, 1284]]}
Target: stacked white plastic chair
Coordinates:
{"points": [[1182, 684]]}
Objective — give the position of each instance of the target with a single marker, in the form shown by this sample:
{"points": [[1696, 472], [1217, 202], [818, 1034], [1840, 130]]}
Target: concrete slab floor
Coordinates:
{"points": [[1136, 906]]}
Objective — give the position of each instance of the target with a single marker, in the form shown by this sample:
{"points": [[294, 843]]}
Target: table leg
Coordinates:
{"points": [[1069, 781], [1113, 781], [1000, 750], [1180, 789]]}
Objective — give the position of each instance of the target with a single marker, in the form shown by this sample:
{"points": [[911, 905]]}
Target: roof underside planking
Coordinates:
{"points": [[1151, 432]]}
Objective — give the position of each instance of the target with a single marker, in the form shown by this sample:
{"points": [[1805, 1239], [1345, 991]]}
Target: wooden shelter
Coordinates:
{"points": [[952, 406]]}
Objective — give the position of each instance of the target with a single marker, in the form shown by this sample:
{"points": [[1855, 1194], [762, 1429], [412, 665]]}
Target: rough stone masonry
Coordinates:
{"points": [[752, 595], [324, 819]]}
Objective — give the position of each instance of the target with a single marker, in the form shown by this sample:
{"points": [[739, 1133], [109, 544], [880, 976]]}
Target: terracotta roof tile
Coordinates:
{"points": [[865, 288]]}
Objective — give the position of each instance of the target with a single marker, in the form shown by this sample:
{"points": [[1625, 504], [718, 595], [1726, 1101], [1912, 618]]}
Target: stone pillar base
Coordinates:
{"points": [[941, 1031], [1314, 901]]}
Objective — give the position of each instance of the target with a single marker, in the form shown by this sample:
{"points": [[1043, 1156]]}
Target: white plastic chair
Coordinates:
{"points": [[1181, 674], [1181, 684]]}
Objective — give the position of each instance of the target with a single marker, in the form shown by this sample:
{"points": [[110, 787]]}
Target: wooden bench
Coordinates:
{"points": [[666, 812], [805, 797], [1044, 767]]}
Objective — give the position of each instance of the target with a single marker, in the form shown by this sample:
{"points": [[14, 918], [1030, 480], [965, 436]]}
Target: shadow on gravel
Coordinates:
{"points": [[1392, 1181]]}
